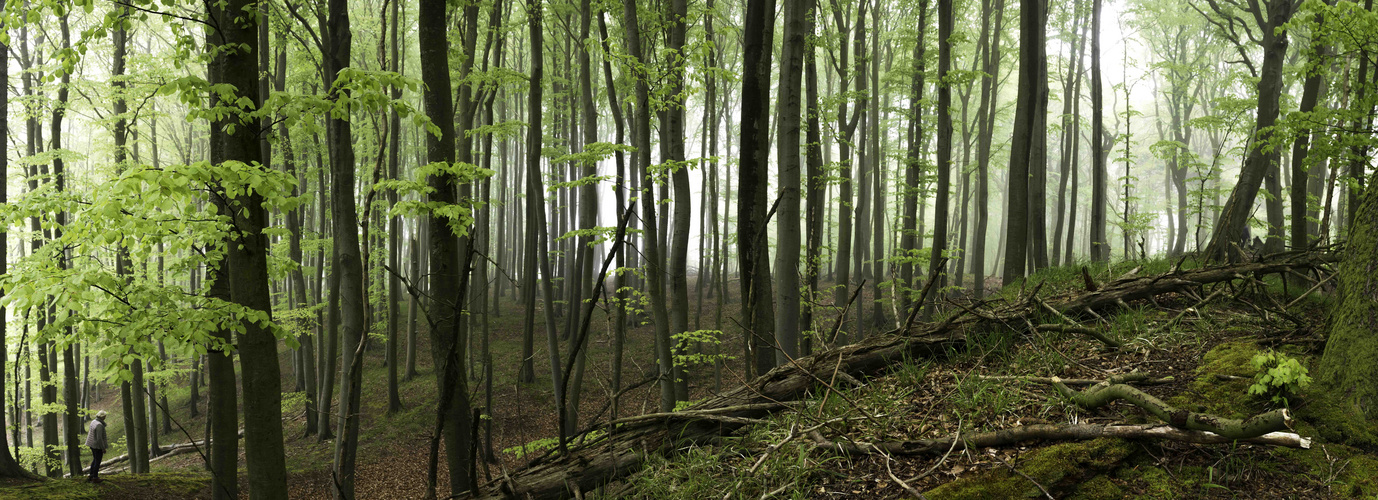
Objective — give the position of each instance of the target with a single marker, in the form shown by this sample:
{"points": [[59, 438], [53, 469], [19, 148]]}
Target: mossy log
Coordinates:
{"points": [[624, 449], [1098, 396], [1049, 432]]}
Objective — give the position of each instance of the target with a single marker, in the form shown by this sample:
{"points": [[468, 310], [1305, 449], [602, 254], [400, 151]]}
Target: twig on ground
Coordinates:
{"points": [[899, 481]]}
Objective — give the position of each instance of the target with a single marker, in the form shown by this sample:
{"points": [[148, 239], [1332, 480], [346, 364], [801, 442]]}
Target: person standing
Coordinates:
{"points": [[95, 439]]}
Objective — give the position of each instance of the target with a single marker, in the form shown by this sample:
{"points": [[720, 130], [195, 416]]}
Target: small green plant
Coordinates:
{"points": [[1278, 375]]}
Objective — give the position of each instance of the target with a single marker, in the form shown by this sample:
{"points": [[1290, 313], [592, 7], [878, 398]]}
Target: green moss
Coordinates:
{"points": [[1360, 479], [1221, 397], [1335, 421], [1098, 488], [1154, 482], [1060, 468], [1350, 363]]}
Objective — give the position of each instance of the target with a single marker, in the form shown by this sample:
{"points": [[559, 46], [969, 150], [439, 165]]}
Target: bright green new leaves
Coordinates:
{"points": [[160, 219], [1279, 376], [460, 215]]}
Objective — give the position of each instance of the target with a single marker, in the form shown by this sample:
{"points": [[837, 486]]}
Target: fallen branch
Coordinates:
{"points": [[1136, 377], [1257, 425], [1050, 432]]}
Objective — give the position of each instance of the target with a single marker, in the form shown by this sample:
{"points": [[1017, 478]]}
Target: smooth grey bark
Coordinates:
{"points": [[222, 407], [944, 166], [816, 187], [910, 237], [674, 129], [9, 466], [395, 228], [787, 325], [248, 258], [1071, 128], [1100, 247], [986, 126]]}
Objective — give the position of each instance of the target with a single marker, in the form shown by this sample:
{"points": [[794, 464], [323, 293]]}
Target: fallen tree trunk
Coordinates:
{"points": [[624, 449], [1048, 432]]}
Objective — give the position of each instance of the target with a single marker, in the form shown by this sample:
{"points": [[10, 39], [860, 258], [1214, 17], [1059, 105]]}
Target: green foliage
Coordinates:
{"points": [[1278, 376], [687, 357]]}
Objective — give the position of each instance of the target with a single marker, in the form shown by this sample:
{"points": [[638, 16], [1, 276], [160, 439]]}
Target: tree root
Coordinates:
{"points": [[1098, 396]]}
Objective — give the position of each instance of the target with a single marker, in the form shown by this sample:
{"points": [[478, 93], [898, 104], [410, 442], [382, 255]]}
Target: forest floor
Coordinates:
{"points": [[1207, 354], [985, 388]]}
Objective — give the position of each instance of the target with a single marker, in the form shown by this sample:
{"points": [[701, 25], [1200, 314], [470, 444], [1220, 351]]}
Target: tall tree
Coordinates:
{"points": [[944, 167], [678, 11], [447, 349], [9, 467], [910, 237], [336, 51], [247, 252], [655, 273], [1031, 69], [1100, 246], [752, 246], [1269, 19], [787, 298]]}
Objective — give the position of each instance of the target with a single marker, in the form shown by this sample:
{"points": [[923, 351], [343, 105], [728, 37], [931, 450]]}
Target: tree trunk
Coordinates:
{"points": [[447, 348], [1348, 367], [794, 48], [394, 293], [753, 249], [986, 118], [910, 237], [1100, 247], [1234, 217], [248, 259], [1031, 65], [9, 467], [944, 166], [654, 272]]}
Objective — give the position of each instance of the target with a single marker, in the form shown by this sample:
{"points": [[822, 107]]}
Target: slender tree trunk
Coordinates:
{"points": [[910, 237], [752, 246], [394, 293], [944, 166], [9, 467], [986, 118], [1100, 247], [787, 325], [651, 243]]}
